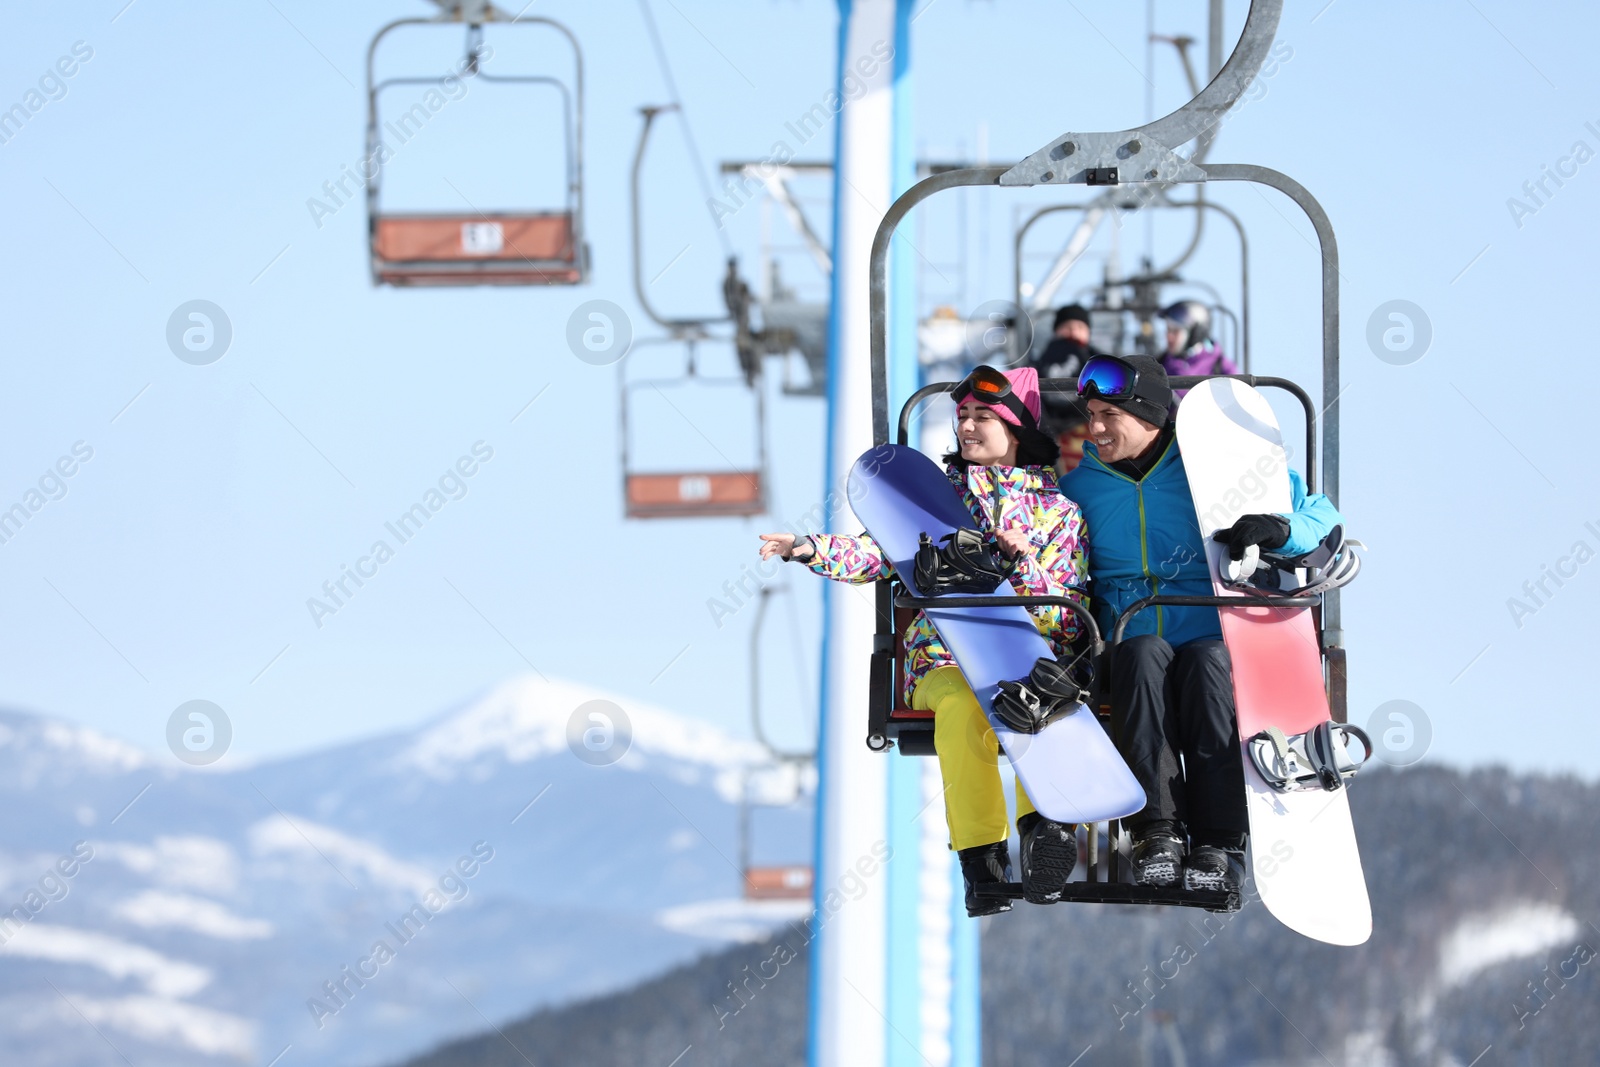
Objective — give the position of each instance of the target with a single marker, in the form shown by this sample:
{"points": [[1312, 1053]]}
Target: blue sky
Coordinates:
{"points": [[177, 162]]}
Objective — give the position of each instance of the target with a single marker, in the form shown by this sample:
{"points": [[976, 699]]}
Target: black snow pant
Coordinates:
{"points": [[1166, 703]]}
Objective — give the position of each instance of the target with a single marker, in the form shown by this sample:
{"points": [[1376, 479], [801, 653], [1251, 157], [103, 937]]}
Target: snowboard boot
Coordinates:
{"points": [[1157, 857], [1048, 854], [1210, 867], [985, 865]]}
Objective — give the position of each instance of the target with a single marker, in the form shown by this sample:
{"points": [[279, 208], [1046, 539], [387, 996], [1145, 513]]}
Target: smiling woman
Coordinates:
{"points": [[1003, 472]]}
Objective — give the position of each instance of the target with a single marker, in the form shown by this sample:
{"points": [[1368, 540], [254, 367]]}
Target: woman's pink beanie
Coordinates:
{"points": [[1025, 386]]}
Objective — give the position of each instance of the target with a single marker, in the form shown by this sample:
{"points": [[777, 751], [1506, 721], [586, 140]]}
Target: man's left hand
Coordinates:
{"points": [[1265, 531]]}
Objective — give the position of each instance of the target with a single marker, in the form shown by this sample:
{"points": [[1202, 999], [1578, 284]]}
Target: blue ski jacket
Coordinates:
{"points": [[1144, 541]]}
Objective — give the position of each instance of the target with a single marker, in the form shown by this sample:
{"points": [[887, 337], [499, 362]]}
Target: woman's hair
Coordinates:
{"points": [[1034, 449]]}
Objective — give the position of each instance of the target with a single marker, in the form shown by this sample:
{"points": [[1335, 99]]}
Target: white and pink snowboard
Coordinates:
{"points": [[1303, 854]]}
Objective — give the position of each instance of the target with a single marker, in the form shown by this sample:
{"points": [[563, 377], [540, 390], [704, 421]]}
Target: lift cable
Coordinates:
{"points": [[688, 132]]}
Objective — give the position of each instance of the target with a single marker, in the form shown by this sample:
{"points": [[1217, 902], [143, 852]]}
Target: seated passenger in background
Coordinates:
{"points": [[1190, 349], [1064, 418]]}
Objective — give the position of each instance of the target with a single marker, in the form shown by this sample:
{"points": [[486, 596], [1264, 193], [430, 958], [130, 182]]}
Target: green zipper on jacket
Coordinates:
{"points": [[1144, 537], [1144, 554]]}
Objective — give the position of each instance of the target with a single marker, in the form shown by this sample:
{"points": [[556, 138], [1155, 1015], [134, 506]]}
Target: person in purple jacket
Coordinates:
{"points": [[1190, 349]]}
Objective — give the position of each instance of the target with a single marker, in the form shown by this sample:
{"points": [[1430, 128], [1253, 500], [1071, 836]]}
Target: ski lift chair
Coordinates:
{"points": [[1143, 155], [472, 246], [790, 881], [892, 724], [692, 494], [736, 491]]}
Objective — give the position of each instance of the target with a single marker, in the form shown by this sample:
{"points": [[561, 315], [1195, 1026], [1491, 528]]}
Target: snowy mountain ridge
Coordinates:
{"points": [[527, 718], [34, 744], [216, 905], [1483, 952]]}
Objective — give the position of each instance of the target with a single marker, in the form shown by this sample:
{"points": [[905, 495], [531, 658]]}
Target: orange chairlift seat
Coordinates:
{"points": [[778, 883], [472, 246], [693, 494]]}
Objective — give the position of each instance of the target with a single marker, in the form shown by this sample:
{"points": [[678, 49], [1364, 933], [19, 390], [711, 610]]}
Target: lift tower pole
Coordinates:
{"points": [[856, 972]]}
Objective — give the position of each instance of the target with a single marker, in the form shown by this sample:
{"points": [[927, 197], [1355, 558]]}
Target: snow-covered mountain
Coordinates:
{"points": [[1486, 899], [359, 903]]}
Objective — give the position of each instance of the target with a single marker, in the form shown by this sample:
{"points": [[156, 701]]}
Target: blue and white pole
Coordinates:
{"points": [[890, 968]]}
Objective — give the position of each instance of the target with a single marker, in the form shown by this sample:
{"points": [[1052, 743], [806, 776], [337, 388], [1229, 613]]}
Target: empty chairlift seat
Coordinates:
{"points": [[694, 494], [480, 246], [538, 248], [738, 489], [778, 883]]}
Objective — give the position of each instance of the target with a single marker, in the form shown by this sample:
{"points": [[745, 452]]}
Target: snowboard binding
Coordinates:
{"points": [[1317, 759], [1330, 565], [1052, 690], [965, 561]]}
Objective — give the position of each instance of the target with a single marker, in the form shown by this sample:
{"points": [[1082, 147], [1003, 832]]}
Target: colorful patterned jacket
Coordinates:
{"points": [[1024, 498]]}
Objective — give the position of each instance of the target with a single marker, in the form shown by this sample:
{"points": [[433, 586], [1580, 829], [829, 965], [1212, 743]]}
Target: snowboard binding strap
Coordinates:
{"points": [[1052, 690], [1330, 565], [1317, 759], [966, 561]]}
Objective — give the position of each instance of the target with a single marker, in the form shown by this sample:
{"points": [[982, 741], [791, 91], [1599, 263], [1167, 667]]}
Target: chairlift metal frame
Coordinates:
{"points": [[792, 324], [478, 247], [1148, 154], [1199, 204], [1153, 194], [786, 881], [734, 492], [690, 494]]}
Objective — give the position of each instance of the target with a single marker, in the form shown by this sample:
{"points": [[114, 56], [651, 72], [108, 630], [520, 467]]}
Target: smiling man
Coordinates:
{"points": [[1171, 680]]}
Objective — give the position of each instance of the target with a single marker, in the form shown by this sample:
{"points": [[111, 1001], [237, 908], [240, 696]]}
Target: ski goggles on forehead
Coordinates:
{"points": [[988, 386], [1107, 378]]}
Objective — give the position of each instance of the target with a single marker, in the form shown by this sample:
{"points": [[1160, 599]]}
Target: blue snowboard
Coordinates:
{"points": [[1072, 771]]}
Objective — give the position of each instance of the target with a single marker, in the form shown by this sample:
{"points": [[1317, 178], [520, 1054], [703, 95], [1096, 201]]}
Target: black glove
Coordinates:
{"points": [[1266, 531]]}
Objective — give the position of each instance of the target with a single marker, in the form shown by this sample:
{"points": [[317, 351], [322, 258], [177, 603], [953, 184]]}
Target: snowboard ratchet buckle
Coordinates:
{"points": [[1317, 759], [1052, 690], [964, 561], [1330, 565]]}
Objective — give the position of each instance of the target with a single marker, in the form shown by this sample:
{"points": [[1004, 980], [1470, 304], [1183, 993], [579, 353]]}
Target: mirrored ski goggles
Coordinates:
{"points": [[1107, 378], [988, 386]]}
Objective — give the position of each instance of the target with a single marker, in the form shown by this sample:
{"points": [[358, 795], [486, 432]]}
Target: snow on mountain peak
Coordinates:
{"points": [[27, 735], [162, 975], [170, 1021], [1479, 942], [318, 844], [186, 861], [527, 718], [153, 908]]}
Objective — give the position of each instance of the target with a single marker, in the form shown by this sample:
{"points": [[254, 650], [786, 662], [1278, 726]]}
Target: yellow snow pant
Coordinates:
{"points": [[969, 760]]}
